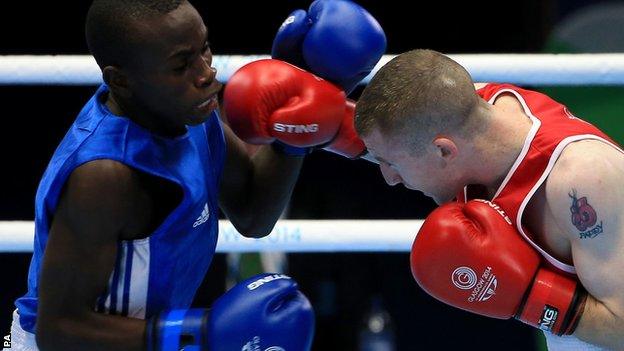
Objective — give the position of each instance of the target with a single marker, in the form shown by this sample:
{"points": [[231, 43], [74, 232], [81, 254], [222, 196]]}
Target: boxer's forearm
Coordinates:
{"points": [[92, 332], [600, 326], [254, 190], [270, 183]]}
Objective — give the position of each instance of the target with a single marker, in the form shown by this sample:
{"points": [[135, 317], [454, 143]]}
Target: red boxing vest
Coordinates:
{"points": [[554, 127]]}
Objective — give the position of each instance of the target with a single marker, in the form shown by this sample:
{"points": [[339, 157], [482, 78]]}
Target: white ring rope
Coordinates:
{"points": [[522, 69], [318, 235], [287, 236]]}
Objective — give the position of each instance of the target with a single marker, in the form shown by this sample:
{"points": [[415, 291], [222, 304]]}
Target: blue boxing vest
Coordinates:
{"points": [[165, 269]]}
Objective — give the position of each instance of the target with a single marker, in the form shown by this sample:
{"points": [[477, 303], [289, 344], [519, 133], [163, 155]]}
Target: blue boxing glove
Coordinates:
{"points": [[264, 312], [337, 40]]}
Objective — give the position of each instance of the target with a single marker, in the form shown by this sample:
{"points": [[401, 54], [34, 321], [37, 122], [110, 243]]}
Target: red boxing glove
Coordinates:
{"points": [[271, 99], [470, 256]]}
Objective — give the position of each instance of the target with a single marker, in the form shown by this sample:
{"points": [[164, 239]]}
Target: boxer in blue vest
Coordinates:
{"points": [[126, 212]]}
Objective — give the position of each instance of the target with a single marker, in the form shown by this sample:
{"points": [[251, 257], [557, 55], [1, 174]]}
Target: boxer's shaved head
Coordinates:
{"points": [[417, 95]]}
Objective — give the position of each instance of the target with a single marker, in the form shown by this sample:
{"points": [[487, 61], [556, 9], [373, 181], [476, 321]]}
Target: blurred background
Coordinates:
{"points": [[356, 296]]}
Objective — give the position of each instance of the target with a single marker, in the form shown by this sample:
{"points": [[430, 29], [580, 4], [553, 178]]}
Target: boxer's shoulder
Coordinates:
{"points": [[106, 168], [98, 191], [583, 190], [577, 168], [585, 160], [139, 200], [101, 177], [579, 181]]}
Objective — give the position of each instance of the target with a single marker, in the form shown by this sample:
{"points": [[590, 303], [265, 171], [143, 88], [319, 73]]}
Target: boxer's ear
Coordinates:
{"points": [[446, 148], [117, 81]]}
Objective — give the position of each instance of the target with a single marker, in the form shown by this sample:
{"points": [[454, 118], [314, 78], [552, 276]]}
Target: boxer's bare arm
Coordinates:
{"points": [[585, 193], [254, 190], [96, 206]]}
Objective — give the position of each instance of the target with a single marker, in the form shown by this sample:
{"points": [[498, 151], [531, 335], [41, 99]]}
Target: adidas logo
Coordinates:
{"points": [[203, 217]]}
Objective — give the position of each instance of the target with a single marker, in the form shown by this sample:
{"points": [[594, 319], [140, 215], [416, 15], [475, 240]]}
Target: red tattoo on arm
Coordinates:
{"points": [[584, 216]]}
